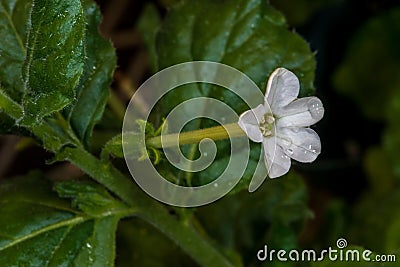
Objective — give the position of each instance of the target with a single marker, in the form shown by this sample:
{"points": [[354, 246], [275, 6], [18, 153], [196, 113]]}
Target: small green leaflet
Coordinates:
{"points": [[92, 91]]}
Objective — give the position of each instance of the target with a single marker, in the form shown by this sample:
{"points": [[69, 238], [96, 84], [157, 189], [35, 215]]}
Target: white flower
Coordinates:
{"points": [[280, 124]]}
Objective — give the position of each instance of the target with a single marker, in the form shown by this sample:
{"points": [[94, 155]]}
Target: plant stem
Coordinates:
{"points": [[182, 233], [185, 236], [215, 133], [9, 106]]}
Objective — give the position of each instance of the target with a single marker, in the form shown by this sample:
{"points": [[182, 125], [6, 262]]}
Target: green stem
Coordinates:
{"points": [[184, 234], [103, 173], [9, 106], [148, 209], [193, 137]]}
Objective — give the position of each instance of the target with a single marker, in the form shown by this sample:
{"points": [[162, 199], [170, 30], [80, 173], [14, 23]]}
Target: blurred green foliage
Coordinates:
{"points": [[273, 215], [369, 75], [300, 12], [369, 72]]}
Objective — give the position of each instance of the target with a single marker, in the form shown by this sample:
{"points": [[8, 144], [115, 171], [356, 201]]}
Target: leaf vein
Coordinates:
{"points": [[11, 22], [73, 221], [44, 204], [58, 245]]}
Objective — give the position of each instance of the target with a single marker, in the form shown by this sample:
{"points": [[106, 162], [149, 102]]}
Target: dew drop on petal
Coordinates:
{"points": [[312, 149], [289, 151], [316, 108]]}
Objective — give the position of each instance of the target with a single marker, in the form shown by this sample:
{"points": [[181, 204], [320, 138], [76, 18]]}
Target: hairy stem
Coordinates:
{"points": [[184, 234], [148, 209], [215, 133]]}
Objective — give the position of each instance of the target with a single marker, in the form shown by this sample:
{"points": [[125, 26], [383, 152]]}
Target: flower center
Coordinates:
{"points": [[267, 124]]}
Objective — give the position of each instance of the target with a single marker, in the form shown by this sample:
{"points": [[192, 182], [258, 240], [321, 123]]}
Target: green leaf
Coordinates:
{"points": [[148, 26], [89, 197], [248, 35], [14, 17], [114, 147], [369, 73], [272, 215], [216, 169], [54, 58], [140, 237], [41, 229], [56, 52], [93, 90], [301, 11], [14, 20]]}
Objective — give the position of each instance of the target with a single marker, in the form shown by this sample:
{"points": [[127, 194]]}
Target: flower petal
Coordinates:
{"points": [[283, 87], [276, 161], [249, 121], [302, 112], [301, 144]]}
